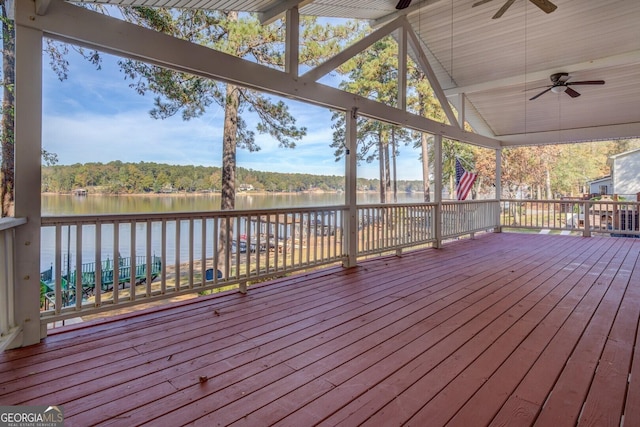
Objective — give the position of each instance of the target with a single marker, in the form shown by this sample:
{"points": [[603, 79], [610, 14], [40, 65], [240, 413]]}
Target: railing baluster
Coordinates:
{"points": [[8, 326], [203, 253], [6, 280], [216, 247], [58, 269], [133, 276], [177, 257], [248, 255], [150, 260], [79, 282], [191, 246], [235, 232], [163, 256], [115, 273], [98, 257]]}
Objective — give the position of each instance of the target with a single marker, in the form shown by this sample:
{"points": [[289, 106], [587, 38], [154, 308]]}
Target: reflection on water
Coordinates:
{"points": [[103, 204], [53, 205]]}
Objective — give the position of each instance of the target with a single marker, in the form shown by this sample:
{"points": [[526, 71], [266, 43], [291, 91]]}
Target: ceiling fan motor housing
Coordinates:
{"points": [[557, 77]]}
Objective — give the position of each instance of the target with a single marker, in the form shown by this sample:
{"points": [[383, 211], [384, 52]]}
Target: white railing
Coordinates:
{"points": [[92, 264], [617, 219], [468, 217], [612, 218], [384, 228], [178, 253], [542, 214], [98, 263], [8, 327]]}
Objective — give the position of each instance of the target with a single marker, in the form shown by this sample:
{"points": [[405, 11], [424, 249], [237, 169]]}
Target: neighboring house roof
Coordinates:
{"points": [[611, 159], [626, 153], [604, 178]]}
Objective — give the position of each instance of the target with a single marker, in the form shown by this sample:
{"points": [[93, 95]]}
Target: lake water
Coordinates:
{"points": [[57, 205], [107, 204]]}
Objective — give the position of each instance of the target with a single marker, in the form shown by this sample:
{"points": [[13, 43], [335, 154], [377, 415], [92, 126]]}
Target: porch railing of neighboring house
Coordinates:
{"points": [[181, 253], [8, 326], [602, 217]]}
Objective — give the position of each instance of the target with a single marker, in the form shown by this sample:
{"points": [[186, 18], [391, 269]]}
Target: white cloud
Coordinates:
{"points": [[96, 117], [130, 137]]}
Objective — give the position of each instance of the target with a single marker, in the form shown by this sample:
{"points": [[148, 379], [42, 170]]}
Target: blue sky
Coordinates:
{"points": [[94, 116]]}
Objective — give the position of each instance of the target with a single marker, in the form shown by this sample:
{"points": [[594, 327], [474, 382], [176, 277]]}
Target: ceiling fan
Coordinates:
{"points": [[545, 5], [560, 84], [403, 4]]}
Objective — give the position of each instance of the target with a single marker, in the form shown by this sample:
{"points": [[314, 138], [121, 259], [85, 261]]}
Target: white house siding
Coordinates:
{"points": [[626, 174]]}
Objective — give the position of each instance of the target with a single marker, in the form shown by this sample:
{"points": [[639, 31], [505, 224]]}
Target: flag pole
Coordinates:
{"points": [[465, 164]]}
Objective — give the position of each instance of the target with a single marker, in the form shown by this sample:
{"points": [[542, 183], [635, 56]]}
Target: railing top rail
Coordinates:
{"points": [[462, 202], [602, 202], [544, 200], [141, 217], [10, 222], [391, 205]]}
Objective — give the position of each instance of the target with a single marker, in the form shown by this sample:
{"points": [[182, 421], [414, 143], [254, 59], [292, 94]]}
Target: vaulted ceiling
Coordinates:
{"points": [[490, 68]]}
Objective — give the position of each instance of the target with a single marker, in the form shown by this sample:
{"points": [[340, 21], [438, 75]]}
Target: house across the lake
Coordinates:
{"points": [[624, 179]]}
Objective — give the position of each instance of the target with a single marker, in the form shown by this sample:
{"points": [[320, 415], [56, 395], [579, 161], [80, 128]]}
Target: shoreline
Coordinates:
{"points": [[204, 194]]}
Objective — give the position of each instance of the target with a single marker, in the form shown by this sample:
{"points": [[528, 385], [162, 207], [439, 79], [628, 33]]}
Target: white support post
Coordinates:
{"points": [[402, 68], [586, 207], [292, 41], [498, 185], [461, 111], [28, 146], [437, 184], [351, 164]]}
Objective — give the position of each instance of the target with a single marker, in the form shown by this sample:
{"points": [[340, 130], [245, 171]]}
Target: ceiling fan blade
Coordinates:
{"points": [[572, 93], [541, 93], [537, 87], [545, 5], [503, 9], [403, 4], [478, 3], [588, 82]]}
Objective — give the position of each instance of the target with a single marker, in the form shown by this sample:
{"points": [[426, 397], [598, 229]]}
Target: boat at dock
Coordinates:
{"points": [[111, 274]]}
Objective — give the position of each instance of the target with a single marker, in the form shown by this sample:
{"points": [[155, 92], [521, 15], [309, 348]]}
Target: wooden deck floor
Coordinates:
{"points": [[502, 330]]}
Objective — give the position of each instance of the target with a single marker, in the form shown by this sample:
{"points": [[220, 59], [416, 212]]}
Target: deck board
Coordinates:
{"points": [[504, 329]]}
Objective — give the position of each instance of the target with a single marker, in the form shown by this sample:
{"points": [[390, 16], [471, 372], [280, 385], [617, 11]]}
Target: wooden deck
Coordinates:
{"points": [[502, 330]]}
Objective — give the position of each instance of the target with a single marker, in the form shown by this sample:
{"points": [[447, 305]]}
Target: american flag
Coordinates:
{"points": [[464, 181]]}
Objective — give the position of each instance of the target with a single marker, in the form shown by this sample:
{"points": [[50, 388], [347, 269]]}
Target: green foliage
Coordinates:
{"points": [[240, 35], [145, 177]]}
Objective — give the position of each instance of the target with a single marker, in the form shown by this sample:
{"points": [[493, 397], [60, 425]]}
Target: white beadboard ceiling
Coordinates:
{"points": [[496, 63]]}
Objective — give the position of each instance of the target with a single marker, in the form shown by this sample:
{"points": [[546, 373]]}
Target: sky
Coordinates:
{"points": [[94, 116]]}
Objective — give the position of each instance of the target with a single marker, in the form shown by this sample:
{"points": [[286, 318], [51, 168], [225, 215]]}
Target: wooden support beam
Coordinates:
{"points": [[292, 42]]}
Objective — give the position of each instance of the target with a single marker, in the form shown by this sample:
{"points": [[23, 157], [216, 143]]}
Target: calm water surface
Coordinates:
{"points": [[102, 204], [57, 205]]}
